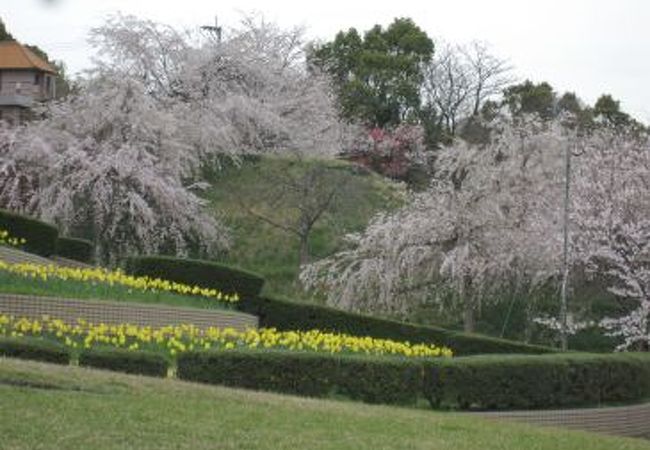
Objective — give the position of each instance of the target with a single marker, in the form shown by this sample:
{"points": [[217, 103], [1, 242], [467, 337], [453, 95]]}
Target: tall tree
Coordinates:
{"points": [[609, 110], [488, 216], [529, 98], [493, 215], [377, 76], [4, 34], [612, 229], [122, 156], [460, 79]]}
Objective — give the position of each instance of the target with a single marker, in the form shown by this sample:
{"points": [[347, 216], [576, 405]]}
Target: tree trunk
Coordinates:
{"points": [[468, 304], [469, 324], [469, 317], [303, 252]]}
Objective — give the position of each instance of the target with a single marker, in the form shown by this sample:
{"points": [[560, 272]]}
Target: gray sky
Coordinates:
{"points": [[587, 46]]}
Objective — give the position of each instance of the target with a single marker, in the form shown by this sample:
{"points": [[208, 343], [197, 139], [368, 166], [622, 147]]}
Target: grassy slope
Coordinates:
{"points": [[77, 408], [274, 253]]}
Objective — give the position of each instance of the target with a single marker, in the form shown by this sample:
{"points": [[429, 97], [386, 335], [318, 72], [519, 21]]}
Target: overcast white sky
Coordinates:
{"points": [[587, 46]]}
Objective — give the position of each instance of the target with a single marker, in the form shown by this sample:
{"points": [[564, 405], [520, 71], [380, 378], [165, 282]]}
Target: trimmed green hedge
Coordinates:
{"points": [[471, 383], [123, 360], [41, 237], [76, 249], [35, 349], [533, 382], [287, 315], [364, 378], [194, 272]]}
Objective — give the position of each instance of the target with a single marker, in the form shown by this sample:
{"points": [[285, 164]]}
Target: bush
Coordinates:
{"points": [[287, 315], [76, 249], [369, 379], [123, 360], [532, 382], [207, 274], [35, 349], [41, 237]]}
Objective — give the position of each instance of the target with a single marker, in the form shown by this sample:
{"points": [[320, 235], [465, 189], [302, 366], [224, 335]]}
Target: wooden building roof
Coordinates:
{"points": [[15, 56]]}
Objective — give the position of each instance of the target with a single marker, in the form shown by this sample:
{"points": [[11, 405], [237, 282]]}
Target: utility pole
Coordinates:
{"points": [[564, 335], [214, 29]]}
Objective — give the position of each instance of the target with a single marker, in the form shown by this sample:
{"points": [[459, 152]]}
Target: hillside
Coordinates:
{"points": [[257, 186], [73, 408]]}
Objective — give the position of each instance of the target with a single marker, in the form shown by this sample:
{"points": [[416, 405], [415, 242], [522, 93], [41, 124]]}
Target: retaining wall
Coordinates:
{"points": [[108, 312], [631, 421]]}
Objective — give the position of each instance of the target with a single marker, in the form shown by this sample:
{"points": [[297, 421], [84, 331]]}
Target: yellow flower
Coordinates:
{"points": [[178, 339]]}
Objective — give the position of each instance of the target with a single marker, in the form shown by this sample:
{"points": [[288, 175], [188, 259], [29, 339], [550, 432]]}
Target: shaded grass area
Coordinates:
{"points": [[46, 406], [272, 252], [17, 284]]}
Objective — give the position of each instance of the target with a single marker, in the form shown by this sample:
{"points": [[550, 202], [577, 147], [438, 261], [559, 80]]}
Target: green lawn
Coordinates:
{"points": [[17, 284], [272, 252], [51, 407]]}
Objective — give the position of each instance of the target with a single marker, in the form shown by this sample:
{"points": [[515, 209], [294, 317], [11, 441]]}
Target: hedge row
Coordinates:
{"points": [[76, 249], [116, 359], [41, 237], [533, 382], [497, 383], [287, 315], [34, 349], [369, 379], [127, 361], [208, 274]]}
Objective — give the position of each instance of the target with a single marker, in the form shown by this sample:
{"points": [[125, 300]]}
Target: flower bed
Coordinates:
{"points": [[103, 278], [178, 339]]}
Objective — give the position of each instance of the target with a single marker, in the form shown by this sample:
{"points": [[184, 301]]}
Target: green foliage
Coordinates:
{"points": [[41, 237], [529, 382], [378, 76], [609, 110], [194, 272], [34, 349], [273, 252], [287, 315], [528, 98], [368, 379], [4, 34], [74, 248], [501, 382], [123, 360]]}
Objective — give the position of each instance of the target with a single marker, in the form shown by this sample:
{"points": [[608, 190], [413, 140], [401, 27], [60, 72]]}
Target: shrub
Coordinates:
{"points": [[123, 360], [76, 249], [41, 237], [35, 349], [369, 379], [287, 315], [207, 274], [531, 382]]}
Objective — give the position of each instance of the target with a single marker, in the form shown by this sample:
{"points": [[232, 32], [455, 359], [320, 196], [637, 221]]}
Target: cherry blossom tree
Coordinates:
{"points": [[486, 216], [493, 217], [120, 161], [612, 183], [250, 92], [107, 165]]}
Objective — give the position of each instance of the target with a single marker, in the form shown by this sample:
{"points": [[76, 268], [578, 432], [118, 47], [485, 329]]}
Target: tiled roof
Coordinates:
{"points": [[16, 56]]}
